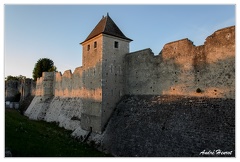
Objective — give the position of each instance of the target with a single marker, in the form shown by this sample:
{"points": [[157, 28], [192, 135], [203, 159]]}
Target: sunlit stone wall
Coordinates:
{"points": [[182, 68]]}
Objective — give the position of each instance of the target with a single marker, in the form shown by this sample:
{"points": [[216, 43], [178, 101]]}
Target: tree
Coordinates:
{"points": [[43, 65], [20, 77]]}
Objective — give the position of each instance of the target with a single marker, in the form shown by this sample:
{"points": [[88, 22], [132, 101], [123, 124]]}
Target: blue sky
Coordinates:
{"points": [[55, 31]]}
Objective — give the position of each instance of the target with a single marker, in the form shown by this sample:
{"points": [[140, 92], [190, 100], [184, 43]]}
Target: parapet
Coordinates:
{"points": [[222, 35], [44, 86], [67, 74], [180, 48], [220, 45], [223, 30], [47, 76], [186, 40], [144, 51], [78, 70]]}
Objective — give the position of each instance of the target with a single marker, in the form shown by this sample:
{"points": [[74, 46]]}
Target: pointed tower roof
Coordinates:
{"points": [[106, 26]]}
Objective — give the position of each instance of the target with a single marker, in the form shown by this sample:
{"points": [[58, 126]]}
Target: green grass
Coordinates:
{"points": [[28, 138]]}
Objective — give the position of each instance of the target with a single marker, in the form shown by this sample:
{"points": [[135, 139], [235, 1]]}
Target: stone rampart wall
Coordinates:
{"points": [[181, 68], [25, 88], [185, 69], [67, 85]]}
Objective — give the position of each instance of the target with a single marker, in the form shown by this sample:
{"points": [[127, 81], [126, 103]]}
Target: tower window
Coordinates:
{"points": [[116, 44], [88, 47], [95, 44]]}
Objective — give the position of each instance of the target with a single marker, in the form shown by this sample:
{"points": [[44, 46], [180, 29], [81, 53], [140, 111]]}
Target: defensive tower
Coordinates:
{"points": [[103, 62]]}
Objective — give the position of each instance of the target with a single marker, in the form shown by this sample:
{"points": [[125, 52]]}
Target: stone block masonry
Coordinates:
{"points": [[170, 126], [86, 98], [25, 87], [185, 69]]}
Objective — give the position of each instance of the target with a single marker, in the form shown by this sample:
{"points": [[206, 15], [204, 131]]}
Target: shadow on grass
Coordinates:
{"points": [[28, 138]]}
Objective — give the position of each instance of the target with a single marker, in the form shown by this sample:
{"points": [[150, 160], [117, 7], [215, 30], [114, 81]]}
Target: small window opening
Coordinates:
{"points": [[116, 44], [95, 44], [88, 47]]}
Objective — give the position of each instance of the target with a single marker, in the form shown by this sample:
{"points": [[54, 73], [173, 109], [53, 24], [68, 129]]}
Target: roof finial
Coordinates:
{"points": [[102, 16], [107, 14]]}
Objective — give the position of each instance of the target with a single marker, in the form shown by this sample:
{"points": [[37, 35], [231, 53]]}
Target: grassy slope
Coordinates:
{"points": [[27, 138]]}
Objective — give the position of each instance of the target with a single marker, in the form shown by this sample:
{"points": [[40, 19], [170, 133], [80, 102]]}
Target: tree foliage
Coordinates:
{"points": [[10, 77], [43, 65]]}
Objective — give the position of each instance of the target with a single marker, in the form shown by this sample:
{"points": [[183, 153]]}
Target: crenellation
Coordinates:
{"points": [[39, 86], [178, 50], [47, 83], [220, 45]]}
